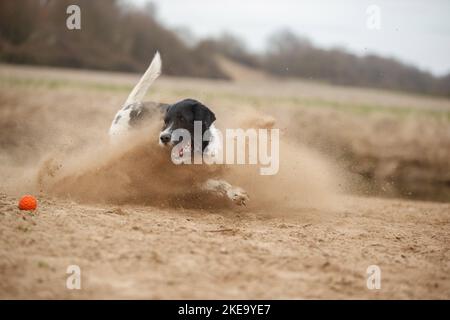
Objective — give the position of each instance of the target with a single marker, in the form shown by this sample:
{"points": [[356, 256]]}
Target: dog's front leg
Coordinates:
{"points": [[223, 188]]}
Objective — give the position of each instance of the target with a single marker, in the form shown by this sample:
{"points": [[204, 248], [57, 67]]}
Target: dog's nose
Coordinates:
{"points": [[165, 137]]}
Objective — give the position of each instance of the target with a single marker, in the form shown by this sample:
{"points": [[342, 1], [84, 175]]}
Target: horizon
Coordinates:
{"points": [[406, 33]]}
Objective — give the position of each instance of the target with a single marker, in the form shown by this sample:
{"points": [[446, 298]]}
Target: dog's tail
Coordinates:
{"points": [[152, 73]]}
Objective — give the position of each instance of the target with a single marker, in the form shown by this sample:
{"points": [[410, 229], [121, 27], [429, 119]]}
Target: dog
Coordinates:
{"points": [[179, 115]]}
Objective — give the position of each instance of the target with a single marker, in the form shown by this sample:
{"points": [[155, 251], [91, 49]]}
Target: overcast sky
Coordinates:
{"points": [[414, 31]]}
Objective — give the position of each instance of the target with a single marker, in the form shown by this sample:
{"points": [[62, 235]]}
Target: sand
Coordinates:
{"points": [[136, 230]]}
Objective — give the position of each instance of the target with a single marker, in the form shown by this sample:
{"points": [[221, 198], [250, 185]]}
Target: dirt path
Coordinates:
{"points": [[144, 252]]}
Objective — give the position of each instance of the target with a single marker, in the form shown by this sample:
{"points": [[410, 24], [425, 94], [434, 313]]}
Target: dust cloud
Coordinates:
{"points": [[137, 170]]}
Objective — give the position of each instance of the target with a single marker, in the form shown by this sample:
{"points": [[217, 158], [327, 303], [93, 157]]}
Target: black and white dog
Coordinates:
{"points": [[180, 115]]}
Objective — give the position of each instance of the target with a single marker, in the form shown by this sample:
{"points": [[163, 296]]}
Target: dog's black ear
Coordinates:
{"points": [[204, 114]]}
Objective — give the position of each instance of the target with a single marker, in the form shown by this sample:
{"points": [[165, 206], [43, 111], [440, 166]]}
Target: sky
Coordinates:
{"points": [[416, 32]]}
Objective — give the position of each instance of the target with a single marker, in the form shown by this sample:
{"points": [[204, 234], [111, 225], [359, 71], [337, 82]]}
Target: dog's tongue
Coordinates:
{"points": [[183, 149]]}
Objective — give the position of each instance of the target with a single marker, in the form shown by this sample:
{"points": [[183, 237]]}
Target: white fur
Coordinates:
{"points": [[163, 132], [136, 96], [214, 145], [152, 73]]}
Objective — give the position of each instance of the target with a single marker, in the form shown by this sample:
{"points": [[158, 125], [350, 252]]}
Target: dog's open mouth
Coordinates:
{"points": [[184, 149]]}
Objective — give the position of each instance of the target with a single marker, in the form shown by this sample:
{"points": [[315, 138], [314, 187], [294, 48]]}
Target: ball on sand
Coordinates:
{"points": [[28, 202]]}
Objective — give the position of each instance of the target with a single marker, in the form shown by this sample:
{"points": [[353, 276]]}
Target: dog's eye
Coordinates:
{"points": [[181, 118]]}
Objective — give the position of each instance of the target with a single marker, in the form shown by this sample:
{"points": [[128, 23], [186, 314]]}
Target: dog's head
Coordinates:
{"points": [[182, 115]]}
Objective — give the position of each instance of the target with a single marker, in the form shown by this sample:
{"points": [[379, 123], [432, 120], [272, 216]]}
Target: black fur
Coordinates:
{"points": [[182, 115]]}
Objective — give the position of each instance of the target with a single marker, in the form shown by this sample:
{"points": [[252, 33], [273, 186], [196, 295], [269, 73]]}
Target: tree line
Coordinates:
{"points": [[289, 55], [112, 37], [116, 36]]}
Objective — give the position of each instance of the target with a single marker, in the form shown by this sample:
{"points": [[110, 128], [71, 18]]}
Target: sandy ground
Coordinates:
{"points": [[302, 235], [150, 253]]}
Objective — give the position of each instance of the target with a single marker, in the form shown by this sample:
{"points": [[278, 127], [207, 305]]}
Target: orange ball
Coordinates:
{"points": [[28, 202]]}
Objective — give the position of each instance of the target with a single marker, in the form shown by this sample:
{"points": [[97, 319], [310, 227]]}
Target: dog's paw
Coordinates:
{"points": [[238, 196], [223, 188]]}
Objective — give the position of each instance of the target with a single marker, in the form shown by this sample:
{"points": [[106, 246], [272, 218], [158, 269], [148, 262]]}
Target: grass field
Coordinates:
{"points": [[366, 181]]}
